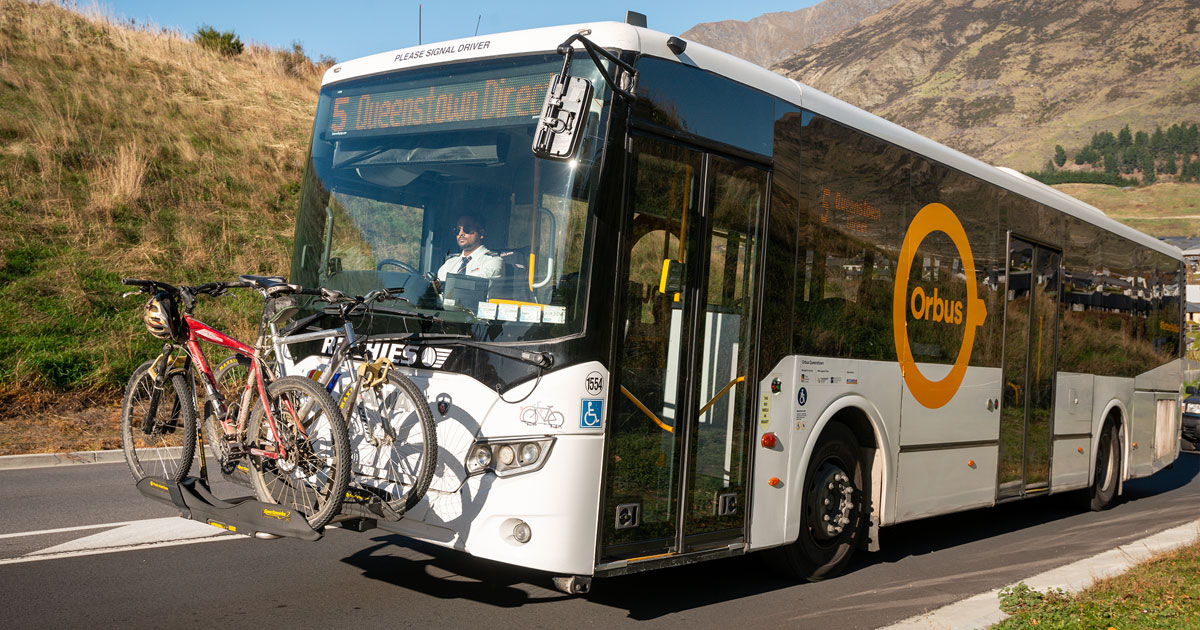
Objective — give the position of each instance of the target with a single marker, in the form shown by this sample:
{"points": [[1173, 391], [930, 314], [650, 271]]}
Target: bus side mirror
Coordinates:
{"points": [[672, 277], [564, 113], [1190, 390]]}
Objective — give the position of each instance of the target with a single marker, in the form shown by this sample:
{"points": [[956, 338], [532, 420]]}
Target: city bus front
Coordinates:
{"points": [[421, 176]]}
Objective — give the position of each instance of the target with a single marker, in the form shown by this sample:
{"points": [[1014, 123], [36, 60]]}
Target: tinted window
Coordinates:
{"points": [[690, 100], [854, 197]]}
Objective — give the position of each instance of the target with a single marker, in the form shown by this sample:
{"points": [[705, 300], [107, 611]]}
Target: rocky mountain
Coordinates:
{"points": [[1006, 80], [773, 37]]}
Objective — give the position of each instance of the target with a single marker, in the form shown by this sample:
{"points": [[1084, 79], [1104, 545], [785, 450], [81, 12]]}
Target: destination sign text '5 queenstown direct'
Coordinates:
{"points": [[489, 99]]}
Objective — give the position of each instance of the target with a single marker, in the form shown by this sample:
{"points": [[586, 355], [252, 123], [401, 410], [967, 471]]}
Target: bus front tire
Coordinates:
{"points": [[833, 520]]}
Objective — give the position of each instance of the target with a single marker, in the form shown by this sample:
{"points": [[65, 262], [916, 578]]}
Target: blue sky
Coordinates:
{"points": [[345, 30]]}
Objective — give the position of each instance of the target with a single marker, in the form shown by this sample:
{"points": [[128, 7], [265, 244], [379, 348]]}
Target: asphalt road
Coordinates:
{"points": [[373, 579]]}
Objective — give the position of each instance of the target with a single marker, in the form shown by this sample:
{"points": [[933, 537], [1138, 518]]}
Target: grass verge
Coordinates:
{"points": [[1163, 592]]}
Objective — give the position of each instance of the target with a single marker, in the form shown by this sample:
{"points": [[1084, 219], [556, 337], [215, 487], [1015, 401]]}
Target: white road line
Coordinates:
{"points": [[65, 529], [92, 552], [145, 534]]}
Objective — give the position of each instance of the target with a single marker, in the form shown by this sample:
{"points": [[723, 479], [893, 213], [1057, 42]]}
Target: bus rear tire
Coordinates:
{"points": [[833, 517], [1103, 491]]}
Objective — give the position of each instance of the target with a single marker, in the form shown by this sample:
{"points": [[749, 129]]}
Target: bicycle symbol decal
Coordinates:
{"points": [[539, 414], [591, 413]]}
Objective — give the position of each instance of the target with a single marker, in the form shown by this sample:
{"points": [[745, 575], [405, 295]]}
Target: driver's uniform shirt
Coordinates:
{"points": [[481, 263]]}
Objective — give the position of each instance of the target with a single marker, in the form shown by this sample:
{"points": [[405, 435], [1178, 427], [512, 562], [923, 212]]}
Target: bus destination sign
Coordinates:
{"points": [[490, 99]]}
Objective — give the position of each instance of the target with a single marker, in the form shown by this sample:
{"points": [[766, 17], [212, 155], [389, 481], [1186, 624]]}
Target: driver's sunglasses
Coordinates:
{"points": [[465, 229]]}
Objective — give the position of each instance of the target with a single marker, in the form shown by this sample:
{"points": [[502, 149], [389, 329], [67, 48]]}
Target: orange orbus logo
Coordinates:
{"points": [[922, 305]]}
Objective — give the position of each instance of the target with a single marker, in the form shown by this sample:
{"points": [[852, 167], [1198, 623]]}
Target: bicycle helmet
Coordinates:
{"points": [[158, 316]]}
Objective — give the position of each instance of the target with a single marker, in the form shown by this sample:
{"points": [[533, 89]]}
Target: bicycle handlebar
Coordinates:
{"points": [[187, 293]]}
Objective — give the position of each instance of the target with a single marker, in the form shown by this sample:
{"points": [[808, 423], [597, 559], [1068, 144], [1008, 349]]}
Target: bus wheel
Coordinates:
{"points": [[1103, 490], [833, 517]]}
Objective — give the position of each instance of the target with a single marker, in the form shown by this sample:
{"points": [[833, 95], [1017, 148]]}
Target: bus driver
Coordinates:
{"points": [[475, 259]]}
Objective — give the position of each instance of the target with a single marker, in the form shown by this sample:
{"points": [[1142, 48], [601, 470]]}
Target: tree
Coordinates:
{"points": [[1158, 141], [1110, 161], [1141, 139], [1060, 155], [1147, 163], [1125, 137], [1087, 154], [1129, 160], [1102, 140], [1169, 166], [1049, 167], [1185, 168]]}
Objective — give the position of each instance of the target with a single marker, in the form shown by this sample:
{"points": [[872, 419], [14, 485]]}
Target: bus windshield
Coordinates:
{"points": [[425, 180]]}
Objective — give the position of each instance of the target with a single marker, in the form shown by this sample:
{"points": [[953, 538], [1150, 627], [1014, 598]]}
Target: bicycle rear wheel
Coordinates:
{"points": [[164, 445], [394, 440], [313, 477]]}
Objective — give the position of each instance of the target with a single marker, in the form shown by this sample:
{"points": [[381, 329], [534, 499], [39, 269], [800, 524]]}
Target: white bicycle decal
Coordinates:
{"points": [[539, 414]]}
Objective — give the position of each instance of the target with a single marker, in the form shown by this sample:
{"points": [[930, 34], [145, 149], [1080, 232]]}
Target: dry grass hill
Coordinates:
{"points": [[1007, 80], [127, 151], [773, 37]]}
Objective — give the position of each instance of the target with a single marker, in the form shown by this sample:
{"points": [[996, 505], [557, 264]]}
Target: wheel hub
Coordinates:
{"points": [[834, 501]]}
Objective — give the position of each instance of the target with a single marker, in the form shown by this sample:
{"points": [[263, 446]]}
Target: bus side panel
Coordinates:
{"points": [[814, 390], [1141, 435], [1069, 469], [776, 413], [941, 481], [1073, 400], [968, 417], [1073, 404]]}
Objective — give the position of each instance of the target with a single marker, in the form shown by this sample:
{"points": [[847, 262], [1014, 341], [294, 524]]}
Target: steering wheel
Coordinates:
{"points": [[397, 263]]}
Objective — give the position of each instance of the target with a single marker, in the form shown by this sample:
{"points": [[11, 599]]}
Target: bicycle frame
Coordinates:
{"points": [[198, 330], [339, 355]]}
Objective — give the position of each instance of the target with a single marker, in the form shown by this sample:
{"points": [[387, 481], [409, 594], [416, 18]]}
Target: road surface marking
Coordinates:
{"points": [[65, 529], [146, 534]]}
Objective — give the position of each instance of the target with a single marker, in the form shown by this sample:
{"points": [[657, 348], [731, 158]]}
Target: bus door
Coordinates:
{"points": [[1030, 359], [682, 395]]}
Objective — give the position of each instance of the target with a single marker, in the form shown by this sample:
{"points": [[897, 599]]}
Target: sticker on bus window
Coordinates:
{"points": [[554, 314], [487, 310], [506, 312], [531, 313]]}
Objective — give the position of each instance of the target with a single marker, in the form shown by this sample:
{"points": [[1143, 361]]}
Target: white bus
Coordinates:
{"points": [[718, 311]]}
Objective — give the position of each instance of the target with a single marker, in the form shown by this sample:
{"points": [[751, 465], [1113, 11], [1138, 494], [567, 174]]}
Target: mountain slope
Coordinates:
{"points": [[773, 37], [1007, 80]]}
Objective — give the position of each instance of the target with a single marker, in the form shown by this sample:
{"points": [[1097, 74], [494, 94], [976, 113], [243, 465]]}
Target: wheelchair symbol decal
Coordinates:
{"points": [[591, 413]]}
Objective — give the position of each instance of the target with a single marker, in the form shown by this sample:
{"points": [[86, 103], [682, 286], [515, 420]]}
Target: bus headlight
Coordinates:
{"points": [[530, 452], [510, 456], [481, 457]]}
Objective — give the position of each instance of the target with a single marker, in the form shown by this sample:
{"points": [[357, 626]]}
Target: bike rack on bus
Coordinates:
{"points": [[242, 515]]}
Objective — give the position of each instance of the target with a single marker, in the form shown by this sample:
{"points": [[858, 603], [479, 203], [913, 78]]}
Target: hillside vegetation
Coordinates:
{"points": [[130, 151], [773, 37], [1007, 80]]}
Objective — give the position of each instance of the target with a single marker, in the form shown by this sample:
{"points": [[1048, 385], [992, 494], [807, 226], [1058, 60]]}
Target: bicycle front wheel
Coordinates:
{"points": [[394, 441], [162, 445], [312, 476]]}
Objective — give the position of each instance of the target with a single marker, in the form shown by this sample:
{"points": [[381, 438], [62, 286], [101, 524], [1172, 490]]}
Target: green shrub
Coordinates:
{"points": [[1081, 177], [226, 43]]}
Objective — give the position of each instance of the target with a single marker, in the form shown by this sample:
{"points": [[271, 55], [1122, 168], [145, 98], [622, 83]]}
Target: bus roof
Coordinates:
{"points": [[617, 35]]}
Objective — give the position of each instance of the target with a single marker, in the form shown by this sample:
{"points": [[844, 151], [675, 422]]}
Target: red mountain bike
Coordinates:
{"points": [[293, 434]]}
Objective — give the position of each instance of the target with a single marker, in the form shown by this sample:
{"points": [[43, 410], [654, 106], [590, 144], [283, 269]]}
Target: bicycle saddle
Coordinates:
{"points": [[264, 282]]}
